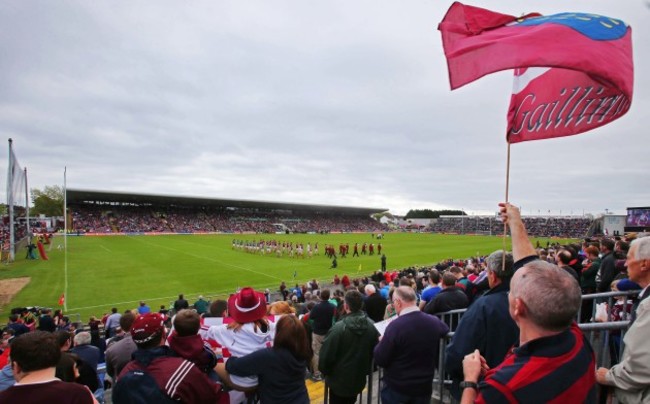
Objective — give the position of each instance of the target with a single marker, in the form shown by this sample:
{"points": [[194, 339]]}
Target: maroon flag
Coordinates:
{"points": [[573, 71]]}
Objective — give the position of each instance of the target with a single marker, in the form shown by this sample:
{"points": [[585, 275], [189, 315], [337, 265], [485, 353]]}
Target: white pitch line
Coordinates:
{"points": [[175, 296], [215, 293], [207, 259], [102, 246]]}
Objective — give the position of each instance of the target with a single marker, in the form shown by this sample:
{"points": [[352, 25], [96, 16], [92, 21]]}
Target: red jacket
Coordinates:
{"points": [[178, 378]]}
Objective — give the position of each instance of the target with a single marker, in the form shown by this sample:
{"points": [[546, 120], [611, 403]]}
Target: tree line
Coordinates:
{"points": [[48, 201]]}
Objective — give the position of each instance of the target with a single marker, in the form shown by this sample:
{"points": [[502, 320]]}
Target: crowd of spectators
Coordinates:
{"points": [[451, 284], [542, 226], [129, 219], [5, 236]]}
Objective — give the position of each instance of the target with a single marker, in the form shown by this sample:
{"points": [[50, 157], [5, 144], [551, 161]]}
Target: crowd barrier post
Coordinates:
{"points": [[604, 349]]}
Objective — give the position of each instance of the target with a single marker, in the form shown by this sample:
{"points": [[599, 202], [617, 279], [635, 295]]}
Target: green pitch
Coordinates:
{"points": [[119, 271]]}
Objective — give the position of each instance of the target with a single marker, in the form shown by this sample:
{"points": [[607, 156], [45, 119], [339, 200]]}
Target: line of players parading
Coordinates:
{"points": [[280, 248]]}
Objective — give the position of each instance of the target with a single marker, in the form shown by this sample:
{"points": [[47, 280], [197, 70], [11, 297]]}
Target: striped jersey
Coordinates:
{"points": [[554, 369]]}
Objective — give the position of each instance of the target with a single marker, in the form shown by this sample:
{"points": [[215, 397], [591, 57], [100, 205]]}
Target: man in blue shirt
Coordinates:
{"points": [[430, 292], [112, 322], [143, 308]]}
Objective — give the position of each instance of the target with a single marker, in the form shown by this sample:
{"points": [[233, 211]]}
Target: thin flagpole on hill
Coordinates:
{"points": [[29, 237], [65, 240], [10, 201]]}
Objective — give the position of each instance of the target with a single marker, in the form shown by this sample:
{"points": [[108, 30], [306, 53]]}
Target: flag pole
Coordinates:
{"points": [[505, 226], [65, 239], [29, 235], [10, 202]]}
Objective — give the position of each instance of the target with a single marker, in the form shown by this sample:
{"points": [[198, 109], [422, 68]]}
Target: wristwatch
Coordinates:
{"points": [[464, 385]]}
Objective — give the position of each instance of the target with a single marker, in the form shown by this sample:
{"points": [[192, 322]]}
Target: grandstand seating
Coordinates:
{"points": [[127, 219], [552, 226]]}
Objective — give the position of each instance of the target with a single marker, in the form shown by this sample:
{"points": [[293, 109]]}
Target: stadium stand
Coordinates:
{"points": [[88, 219], [104, 212], [552, 226]]}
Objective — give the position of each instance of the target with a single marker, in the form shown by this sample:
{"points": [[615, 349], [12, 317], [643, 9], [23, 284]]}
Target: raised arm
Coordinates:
{"points": [[521, 245]]}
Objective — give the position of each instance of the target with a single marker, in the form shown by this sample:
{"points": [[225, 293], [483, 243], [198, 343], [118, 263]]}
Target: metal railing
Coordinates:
{"points": [[606, 337]]}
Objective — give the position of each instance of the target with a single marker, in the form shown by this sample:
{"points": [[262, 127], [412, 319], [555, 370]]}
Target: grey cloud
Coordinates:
{"points": [[345, 103]]}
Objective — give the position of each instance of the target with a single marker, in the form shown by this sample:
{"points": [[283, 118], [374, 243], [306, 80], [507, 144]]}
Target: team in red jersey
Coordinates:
{"points": [[279, 248]]}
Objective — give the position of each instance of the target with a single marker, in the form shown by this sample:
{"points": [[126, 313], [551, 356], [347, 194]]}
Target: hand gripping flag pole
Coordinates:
{"points": [[573, 72]]}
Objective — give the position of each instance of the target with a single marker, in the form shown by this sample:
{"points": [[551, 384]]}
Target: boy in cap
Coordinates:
{"points": [[188, 344]]}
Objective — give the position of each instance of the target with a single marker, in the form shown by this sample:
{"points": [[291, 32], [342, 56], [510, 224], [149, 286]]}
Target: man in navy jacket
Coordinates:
{"points": [[487, 325]]}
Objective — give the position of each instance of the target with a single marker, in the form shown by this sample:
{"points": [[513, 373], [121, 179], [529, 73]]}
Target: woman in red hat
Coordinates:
{"points": [[281, 369], [248, 332]]}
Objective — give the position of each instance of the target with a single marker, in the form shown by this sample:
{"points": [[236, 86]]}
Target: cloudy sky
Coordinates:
{"points": [[326, 102]]}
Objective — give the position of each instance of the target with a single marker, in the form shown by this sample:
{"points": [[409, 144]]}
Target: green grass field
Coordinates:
{"points": [[121, 270]]}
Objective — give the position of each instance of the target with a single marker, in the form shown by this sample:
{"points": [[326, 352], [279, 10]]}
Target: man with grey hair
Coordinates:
{"points": [[375, 304], [631, 376], [554, 361], [486, 325], [88, 353], [408, 351]]}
